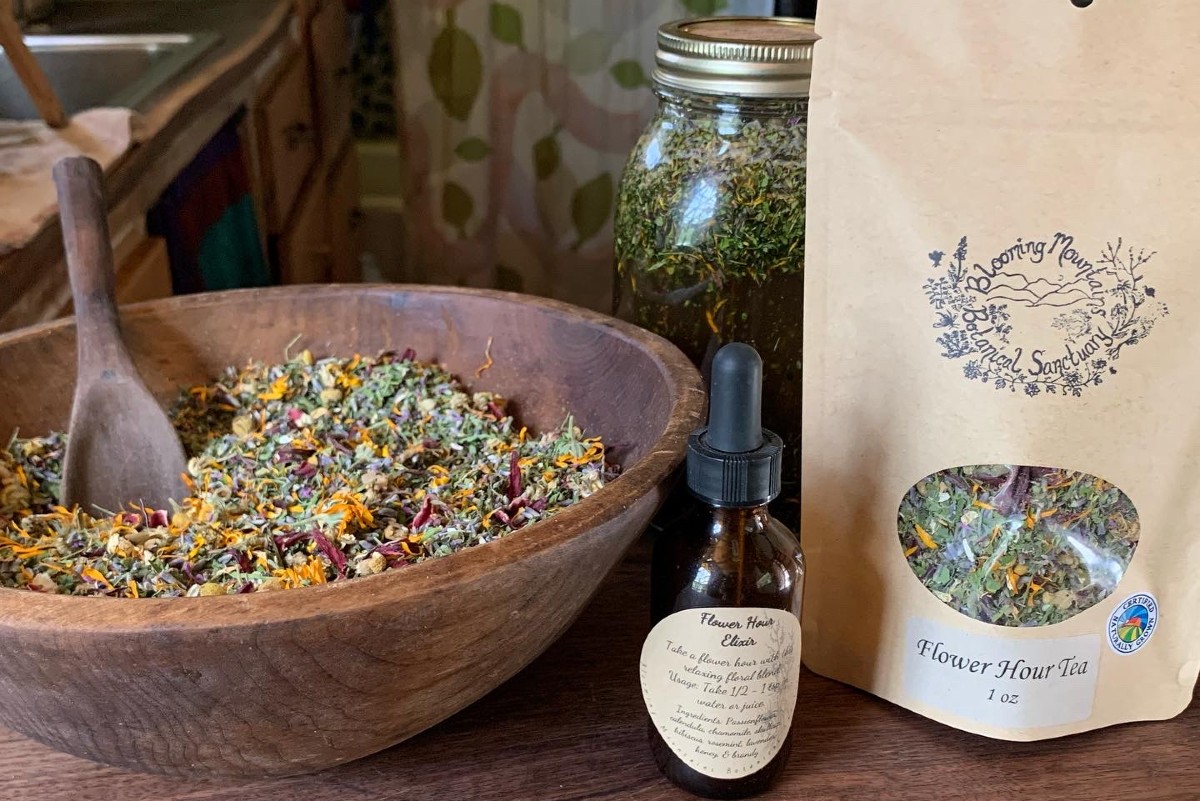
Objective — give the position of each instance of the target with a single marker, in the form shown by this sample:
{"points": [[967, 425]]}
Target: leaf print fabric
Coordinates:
{"points": [[515, 120]]}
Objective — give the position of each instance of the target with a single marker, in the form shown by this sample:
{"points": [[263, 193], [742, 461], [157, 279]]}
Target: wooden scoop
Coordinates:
{"points": [[122, 449]]}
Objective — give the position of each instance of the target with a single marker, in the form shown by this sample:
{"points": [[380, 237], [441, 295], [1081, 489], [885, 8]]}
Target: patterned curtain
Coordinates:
{"points": [[515, 119]]}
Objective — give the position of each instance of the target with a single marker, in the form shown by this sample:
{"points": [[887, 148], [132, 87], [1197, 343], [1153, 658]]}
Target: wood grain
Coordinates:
{"points": [[30, 73], [305, 249], [345, 216], [285, 682], [287, 138], [332, 78], [146, 274], [572, 727]]}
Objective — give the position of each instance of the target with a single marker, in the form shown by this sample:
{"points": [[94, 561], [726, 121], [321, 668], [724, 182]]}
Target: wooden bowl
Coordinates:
{"points": [[298, 680]]}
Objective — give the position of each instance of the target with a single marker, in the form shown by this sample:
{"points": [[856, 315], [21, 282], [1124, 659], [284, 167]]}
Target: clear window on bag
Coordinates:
{"points": [[1015, 545]]}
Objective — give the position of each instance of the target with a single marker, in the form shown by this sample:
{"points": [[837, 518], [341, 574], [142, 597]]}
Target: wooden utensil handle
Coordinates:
{"points": [[44, 98], [89, 261]]}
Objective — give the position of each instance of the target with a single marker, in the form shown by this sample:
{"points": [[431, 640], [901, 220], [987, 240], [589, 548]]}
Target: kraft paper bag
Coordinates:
{"points": [[1001, 510]]}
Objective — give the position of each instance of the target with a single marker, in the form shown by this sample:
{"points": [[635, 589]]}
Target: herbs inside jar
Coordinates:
{"points": [[709, 231]]}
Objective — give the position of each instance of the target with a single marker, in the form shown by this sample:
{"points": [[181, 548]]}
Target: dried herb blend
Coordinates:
{"points": [[302, 473], [709, 236], [1015, 545]]}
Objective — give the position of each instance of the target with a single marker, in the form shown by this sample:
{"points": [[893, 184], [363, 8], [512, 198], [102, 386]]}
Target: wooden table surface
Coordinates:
{"points": [[572, 727]]}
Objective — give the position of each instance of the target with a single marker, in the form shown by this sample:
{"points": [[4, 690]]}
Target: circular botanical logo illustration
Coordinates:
{"points": [[1041, 316], [1016, 545], [1132, 623]]}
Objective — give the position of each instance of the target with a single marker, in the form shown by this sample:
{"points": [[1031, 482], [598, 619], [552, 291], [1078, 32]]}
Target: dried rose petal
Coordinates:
{"points": [[332, 552], [423, 516], [289, 539], [514, 477]]}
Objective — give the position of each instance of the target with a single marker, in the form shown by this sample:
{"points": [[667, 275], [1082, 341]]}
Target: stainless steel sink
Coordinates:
{"points": [[102, 70]]}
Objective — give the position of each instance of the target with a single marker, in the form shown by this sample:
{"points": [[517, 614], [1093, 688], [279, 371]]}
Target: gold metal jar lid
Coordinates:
{"points": [[741, 56]]}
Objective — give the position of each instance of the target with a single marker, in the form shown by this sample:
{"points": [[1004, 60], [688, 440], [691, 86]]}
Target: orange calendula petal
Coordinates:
{"points": [[95, 575], [924, 537]]}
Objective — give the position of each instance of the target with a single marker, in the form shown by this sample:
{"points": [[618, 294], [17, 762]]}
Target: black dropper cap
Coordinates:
{"points": [[734, 461]]}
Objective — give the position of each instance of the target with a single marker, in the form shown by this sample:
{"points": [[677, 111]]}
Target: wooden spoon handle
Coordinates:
{"points": [[28, 70], [89, 263]]}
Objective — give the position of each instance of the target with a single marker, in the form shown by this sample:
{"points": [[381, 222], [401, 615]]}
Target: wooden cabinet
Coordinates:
{"points": [[304, 249], [287, 139], [345, 218], [146, 274], [143, 271], [307, 182], [333, 79], [323, 241]]}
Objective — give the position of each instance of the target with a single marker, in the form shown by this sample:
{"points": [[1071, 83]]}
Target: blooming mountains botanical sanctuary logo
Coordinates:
{"points": [[1040, 316]]}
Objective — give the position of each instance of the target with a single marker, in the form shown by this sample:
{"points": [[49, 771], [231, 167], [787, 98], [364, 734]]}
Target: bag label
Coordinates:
{"points": [[720, 686], [1001, 681]]}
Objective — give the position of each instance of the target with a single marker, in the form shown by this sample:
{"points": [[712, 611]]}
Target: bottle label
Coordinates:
{"points": [[720, 685]]}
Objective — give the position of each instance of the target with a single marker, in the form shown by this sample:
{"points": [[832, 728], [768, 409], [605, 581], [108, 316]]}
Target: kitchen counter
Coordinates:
{"points": [[170, 127], [572, 727]]}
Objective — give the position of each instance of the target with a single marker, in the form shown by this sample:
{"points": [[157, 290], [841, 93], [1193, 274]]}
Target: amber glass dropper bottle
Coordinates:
{"points": [[719, 668]]}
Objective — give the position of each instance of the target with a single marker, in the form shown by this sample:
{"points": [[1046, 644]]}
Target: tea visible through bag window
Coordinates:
{"points": [[1016, 545], [1001, 322]]}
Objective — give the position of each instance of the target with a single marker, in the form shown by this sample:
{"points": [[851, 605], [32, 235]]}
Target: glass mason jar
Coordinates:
{"points": [[709, 231]]}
